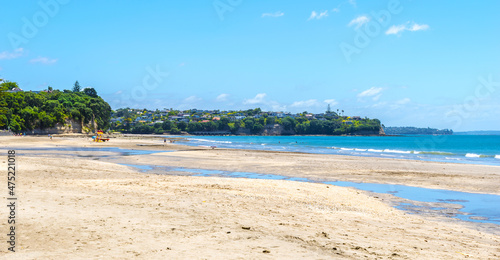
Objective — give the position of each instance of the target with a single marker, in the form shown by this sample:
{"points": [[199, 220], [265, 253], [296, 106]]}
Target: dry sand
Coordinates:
{"points": [[80, 208]]}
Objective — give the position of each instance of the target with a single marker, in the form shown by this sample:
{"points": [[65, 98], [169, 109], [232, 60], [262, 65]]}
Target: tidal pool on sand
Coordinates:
{"points": [[475, 207]]}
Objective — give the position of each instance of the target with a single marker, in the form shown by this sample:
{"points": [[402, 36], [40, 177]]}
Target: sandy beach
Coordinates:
{"points": [[72, 205]]}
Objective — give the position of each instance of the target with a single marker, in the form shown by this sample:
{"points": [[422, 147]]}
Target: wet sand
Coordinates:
{"points": [[91, 207]]}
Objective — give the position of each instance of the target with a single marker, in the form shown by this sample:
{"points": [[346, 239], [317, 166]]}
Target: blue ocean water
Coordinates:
{"points": [[475, 149]]}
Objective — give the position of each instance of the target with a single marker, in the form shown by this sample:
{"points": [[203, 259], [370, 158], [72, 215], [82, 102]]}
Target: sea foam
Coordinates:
{"points": [[395, 151], [211, 141]]}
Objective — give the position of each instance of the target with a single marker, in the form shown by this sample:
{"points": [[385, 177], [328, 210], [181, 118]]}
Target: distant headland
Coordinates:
{"points": [[241, 122]]}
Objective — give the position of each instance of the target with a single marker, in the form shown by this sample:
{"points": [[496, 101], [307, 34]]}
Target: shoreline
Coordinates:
{"points": [[327, 167], [81, 202], [186, 139], [346, 148]]}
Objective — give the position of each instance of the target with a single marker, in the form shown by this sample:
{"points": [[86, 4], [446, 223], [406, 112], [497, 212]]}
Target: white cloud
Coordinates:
{"points": [[317, 16], [403, 101], [419, 27], [359, 21], [258, 99], [399, 103], [11, 55], [377, 97], [43, 60], [192, 99], [313, 103], [397, 29], [331, 102], [306, 103], [222, 97], [373, 91], [338, 8], [277, 107], [277, 14], [379, 105]]}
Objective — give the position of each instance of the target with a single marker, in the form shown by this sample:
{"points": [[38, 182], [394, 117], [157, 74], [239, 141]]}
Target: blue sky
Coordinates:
{"points": [[425, 63]]}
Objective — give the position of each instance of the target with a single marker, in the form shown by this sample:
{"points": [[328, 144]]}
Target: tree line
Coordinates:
{"points": [[407, 130], [25, 111], [330, 125]]}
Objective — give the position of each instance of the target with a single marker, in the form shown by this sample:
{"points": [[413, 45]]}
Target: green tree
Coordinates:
{"points": [[288, 123], [194, 127], [41, 110], [167, 125], [76, 87], [15, 126], [91, 92], [182, 125], [30, 116], [3, 106], [175, 131], [9, 85], [257, 128], [3, 120]]}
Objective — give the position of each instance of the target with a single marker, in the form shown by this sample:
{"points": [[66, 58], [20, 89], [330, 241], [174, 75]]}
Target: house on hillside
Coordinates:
{"points": [[14, 90], [175, 118], [309, 116], [117, 119], [234, 118]]}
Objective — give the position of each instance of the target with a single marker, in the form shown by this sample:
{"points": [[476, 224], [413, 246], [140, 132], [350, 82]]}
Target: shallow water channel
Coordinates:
{"points": [[474, 207]]}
